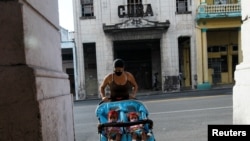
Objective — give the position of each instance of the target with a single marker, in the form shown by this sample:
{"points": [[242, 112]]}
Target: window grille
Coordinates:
{"points": [[87, 8], [181, 6], [220, 1], [132, 7]]}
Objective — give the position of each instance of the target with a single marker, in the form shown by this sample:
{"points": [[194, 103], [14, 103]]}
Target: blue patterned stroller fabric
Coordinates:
{"points": [[123, 107]]}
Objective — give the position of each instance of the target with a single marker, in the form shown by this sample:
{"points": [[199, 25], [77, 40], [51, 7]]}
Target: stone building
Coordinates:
{"points": [[69, 59], [35, 100], [189, 44], [218, 41]]}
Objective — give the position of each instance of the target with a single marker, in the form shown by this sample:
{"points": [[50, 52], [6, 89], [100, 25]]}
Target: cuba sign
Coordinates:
{"points": [[135, 10]]}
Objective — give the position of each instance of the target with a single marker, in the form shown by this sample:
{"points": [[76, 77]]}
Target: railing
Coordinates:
{"points": [[213, 11], [224, 8]]}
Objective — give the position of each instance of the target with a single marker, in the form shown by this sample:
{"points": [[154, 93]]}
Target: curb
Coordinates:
{"points": [[184, 93]]}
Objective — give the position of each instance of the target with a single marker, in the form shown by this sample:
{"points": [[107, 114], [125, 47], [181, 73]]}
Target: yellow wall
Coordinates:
{"points": [[219, 23], [214, 55], [210, 75], [226, 38], [224, 77], [220, 32], [210, 2], [222, 37], [187, 66]]}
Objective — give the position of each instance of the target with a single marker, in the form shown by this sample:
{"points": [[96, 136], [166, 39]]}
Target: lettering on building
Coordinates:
{"points": [[135, 10]]}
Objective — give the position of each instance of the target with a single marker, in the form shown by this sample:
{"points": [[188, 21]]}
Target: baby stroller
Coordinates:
{"points": [[123, 107]]}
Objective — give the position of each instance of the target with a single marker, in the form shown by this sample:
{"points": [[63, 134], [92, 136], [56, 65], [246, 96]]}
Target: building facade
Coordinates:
{"points": [[176, 41], [218, 34], [68, 51], [35, 99]]}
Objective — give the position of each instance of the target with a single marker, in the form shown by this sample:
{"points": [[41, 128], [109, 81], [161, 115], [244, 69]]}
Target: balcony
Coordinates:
{"points": [[218, 11]]}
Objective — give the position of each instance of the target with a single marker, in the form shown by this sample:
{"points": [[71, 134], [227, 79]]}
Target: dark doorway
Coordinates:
{"points": [[91, 85], [138, 57], [70, 72], [67, 58]]}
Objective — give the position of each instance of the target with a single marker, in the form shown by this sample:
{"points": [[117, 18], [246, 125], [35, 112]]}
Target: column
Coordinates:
{"points": [[241, 96], [205, 84], [35, 99], [199, 77], [204, 54]]}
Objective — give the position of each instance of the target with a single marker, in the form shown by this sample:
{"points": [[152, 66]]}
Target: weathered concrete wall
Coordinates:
{"points": [[35, 99], [241, 95]]}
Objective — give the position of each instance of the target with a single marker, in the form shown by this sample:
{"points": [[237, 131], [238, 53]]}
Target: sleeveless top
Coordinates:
{"points": [[119, 92]]}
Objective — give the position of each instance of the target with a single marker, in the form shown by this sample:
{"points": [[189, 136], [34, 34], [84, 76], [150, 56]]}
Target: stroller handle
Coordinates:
{"points": [[125, 124], [114, 101]]}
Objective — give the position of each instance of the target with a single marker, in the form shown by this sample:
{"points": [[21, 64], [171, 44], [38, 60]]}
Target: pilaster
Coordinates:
{"points": [[35, 99]]}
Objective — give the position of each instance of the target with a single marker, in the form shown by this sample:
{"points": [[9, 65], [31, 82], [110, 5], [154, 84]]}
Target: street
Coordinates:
{"points": [[175, 118]]}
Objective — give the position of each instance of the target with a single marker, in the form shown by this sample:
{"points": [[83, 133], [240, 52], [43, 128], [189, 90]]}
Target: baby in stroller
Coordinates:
{"points": [[123, 108], [137, 131], [113, 132]]}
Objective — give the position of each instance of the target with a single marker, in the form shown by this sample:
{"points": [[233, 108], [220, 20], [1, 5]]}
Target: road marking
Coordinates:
{"points": [[216, 108]]}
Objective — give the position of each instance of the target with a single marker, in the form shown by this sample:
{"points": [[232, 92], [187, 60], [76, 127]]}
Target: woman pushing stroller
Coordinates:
{"points": [[123, 87], [121, 82]]}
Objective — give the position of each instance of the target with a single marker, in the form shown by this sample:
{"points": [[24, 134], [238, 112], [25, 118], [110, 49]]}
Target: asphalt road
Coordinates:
{"points": [[176, 116]]}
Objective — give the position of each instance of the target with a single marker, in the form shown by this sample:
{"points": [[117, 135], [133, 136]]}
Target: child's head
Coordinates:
{"points": [[113, 115], [133, 116]]}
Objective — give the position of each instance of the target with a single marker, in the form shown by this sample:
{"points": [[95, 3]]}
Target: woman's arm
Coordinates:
{"points": [[132, 80], [102, 88]]}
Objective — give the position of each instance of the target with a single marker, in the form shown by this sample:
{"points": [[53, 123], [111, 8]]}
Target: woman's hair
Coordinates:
{"points": [[118, 63]]}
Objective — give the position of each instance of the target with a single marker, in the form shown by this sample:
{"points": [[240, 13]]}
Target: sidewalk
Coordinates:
{"points": [[215, 90], [225, 86], [186, 92]]}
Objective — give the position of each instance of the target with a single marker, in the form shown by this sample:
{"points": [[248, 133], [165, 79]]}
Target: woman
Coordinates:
{"points": [[120, 82]]}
